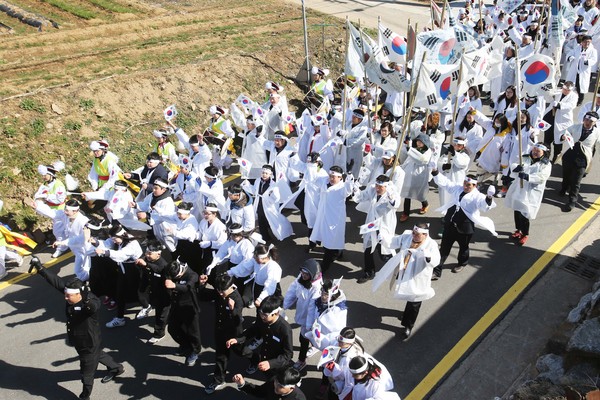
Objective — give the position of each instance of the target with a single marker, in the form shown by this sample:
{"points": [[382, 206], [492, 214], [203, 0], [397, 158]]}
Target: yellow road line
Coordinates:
{"points": [[20, 277], [474, 334], [54, 261]]}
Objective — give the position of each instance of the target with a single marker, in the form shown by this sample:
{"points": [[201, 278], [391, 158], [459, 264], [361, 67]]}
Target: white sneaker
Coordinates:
{"points": [[116, 322], [19, 260], [57, 253], [154, 339], [144, 312]]}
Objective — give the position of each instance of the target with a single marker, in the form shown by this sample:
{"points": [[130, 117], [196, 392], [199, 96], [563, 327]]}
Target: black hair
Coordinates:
{"points": [[213, 205], [388, 124], [236, 188], [475, 90], [211, 170], [288, 376], [223, 282], [504, 124], [270, 304], [72, 203], [327, 285], [153, 156], [383, 178], [512, 101], [184, 205], [527, 122], [350, 333], [261, 249], [154, 245], [373, 370], [74, 283], [172, 270], [337, 169]]}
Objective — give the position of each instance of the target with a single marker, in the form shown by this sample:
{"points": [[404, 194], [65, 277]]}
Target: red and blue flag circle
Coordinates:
{"points": [[399, 45], [244, 163], [446, 51], [445, 88], [371, 225], [538, 72]]}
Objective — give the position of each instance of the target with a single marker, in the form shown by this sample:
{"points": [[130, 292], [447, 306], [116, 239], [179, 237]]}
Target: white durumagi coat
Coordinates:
{"points": [[267, 275], [377, 169], [490, 146], [355, 140], [330, 224], [583, 64], [413, 281], [527, 199], [253, 150], [471, 203], [416, 175], [302, 298], [457, 172], [372, 389], [270, 200], [563, 116], [216, 233], [162, 218], [331, 321], [382, 210], [71, 235], [311, 183]]}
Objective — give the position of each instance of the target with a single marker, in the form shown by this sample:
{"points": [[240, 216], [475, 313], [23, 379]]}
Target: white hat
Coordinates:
{"points": [[319, 71], [217, 110], [388, 154], [160, 133], [459, 141], [99, 145]]}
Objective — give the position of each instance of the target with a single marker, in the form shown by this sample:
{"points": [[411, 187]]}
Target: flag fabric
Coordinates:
{"points": [[450, 21], [245, 166], [438, 46], [536, 74], [170, 113], [437, 85], [239, 119], [481, 66], [508, 6], [246, 103], [568, 13], [393, 46], [542, 125], [411, 37], [355, 56], [369, 227], [465, 38], [436, 14], [330, 353], [16, 241]]}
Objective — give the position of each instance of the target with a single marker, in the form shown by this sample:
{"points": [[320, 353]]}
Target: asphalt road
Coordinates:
{"points": [[36, 363]]}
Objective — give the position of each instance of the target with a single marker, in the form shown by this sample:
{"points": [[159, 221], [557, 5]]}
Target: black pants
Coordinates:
{"points": [[184, 327], [304, 345], [370, 259], [263, 223], [300, 204], [452, 235], [521, 223], [127, 280], [407, 205], [329, 257], [571, 182], [222, 353], [189, 253], [411, 311], [88, 364]]}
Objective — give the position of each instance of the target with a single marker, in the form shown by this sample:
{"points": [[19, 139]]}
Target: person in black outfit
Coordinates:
{"points": [[458, 226], [276, 351], [148, 174], [152, 287], [228, 322], [266, 180], [184, 318], [83, 330], [284, 386]]}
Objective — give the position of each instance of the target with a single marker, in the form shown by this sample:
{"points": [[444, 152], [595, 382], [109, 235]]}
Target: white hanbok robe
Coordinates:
{"points": [[162, 218], [302, 298], [311, 183], [490, 146], [382, 210], [459, 165], [563, 117], [71, 236], [215, 233], [271, 199], [331, 321], [330, 224], [416, 175], [527, 199], [354, 141], [413, 280], [253, 150], [266, 275], [372, 389], [583, 64], [201, 159]]}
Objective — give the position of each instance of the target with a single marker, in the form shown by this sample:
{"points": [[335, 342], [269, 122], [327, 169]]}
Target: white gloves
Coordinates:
{"points": [[432, 165], [205, 244], [491, 190]]}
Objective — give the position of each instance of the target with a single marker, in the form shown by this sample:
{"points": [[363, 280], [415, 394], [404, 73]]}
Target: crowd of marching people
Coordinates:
{"points": [[170, 236]]}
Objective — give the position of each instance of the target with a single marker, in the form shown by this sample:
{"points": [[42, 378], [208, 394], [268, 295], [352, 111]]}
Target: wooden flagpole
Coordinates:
{"points": [[518, 119]]}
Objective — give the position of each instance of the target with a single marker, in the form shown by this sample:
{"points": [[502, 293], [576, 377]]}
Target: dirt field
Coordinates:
{"points": [[112, 74]]}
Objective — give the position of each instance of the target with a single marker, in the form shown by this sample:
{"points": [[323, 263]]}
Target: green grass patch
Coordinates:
{"points": [[30, 104], [37, 127], [71, 8], [113, 6], [72, 125], [86, 104]]}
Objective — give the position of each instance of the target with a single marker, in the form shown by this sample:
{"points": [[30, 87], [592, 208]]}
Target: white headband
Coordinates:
{"points": [[275, 311], [420, 230], [267, 170], [591, 118], [72, 291], [540, 146], [183, 211], [359, 370], [210, 176], [335, 173], [345, 340], [384, 184], [161, 184], [290, 386], [266, 255], [72, 208], [120, 233], [471, 180], [237, 230], [211, 209]]}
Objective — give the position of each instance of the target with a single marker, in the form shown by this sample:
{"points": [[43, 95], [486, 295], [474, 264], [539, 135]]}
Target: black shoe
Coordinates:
{"points": [[365, 278], [84, 396], [562, 192], [111, 375], [340, 255], [568, 207], [406, 333], [435, 277]]}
